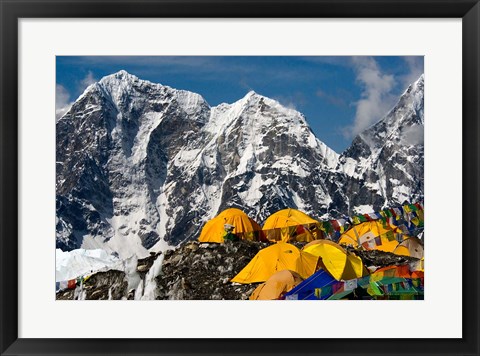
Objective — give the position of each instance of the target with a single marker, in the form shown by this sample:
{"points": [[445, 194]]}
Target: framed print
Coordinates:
{"points": [[239, 178]]}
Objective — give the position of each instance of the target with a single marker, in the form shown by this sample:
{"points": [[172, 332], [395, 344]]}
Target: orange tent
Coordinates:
{"points": [[342, 265], [244, 227], [290, 225], [276, 258], [411, 246], [371, 235], [311, 243], [391, 271], [278, 284]]}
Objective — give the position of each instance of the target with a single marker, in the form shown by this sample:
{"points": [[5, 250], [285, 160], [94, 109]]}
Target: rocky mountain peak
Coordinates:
{"points": [[385, 161], [121, 77]]}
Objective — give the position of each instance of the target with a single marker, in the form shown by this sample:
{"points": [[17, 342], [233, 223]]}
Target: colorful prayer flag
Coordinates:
{"points": [[366, 216], [350, 284], [390, 236], [335, 224], [397, 211], [374, 290], [300, 229], [338, 287], [327, 226], [362, 218]]}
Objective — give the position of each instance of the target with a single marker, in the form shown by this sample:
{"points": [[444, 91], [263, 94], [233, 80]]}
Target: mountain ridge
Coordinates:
{"points": [[141, 166]]}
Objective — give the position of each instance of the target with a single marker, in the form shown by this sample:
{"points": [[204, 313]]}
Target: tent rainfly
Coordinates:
{"points": [[277, 285], [371, 235], [243, 227], [410, 247], [291, 225], [342, 265], [275, 258], [311, 288]]}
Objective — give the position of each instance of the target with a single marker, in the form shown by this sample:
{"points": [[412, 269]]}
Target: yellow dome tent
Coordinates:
{"points": [[410, 247], [276, 258], [278, 284], [372, 235], [311, 243], [290, 224], [341, 264], [244, 227]]}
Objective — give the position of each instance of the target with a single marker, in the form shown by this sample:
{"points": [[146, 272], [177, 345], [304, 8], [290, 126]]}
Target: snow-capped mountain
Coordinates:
{"points": [[142, 165], [384, 165]]}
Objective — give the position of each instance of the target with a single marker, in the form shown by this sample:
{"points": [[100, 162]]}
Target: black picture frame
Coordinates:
{"points": [[11, 11]]}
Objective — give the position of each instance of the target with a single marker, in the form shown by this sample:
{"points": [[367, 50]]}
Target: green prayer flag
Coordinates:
{"points": [[373, 289], [390, 235], [362, 218], [327, 226]]}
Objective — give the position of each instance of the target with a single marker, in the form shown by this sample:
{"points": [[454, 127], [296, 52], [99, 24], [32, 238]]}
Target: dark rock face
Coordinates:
{"points": [[138, 163], [379, 258], [202, 271], [109, 285]]}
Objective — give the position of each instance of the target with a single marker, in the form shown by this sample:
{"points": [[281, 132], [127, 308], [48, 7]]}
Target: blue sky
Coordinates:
{"points": [[339, 96]]}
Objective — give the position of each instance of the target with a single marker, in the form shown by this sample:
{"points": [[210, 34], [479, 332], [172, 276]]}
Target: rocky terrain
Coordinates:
{"points": [[199, 271], [203, 271]]}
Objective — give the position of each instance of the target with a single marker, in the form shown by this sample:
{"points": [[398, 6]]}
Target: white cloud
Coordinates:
{"points": [[377, 97], [415, 66], [62, 101], [62, 95], [292, 101], [88, 80], [413, 135]]}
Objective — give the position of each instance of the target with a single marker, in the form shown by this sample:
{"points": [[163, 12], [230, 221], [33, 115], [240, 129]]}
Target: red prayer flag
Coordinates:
{"points": [[337, 287], [300, 229], [336, 225]]}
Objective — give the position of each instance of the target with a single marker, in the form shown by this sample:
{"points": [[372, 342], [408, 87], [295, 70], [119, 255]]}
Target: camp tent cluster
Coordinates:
{"points": [[275, 258], [282, 267], [376, 235], [284, 225]]}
